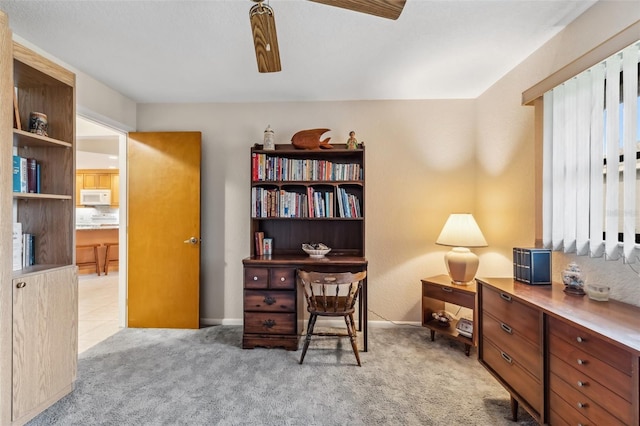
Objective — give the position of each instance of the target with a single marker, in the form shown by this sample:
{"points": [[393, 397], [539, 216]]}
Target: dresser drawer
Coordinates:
{"points": [[595, 346], [504, 336], [256, 277], [573, 405], [612, 378], [591, 389], [269, 301], [283, 278], [269, 323], [511, 372], [449, 294], [520, 317]]}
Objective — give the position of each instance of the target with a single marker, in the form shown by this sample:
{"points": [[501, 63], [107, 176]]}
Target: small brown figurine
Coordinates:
{"points": [[352, 142]]}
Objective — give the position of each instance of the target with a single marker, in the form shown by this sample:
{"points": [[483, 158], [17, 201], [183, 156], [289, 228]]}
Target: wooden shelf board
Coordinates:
{"points": [[23, 138], [32, 196]]}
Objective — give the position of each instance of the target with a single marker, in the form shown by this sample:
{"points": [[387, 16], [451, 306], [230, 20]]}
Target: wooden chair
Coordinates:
{"points": [[109, 255], [331, 295], [89, 262]]}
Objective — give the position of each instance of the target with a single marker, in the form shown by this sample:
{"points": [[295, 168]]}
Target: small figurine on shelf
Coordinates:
{"points": [[269, 144], [352, 142], [573, 279]]}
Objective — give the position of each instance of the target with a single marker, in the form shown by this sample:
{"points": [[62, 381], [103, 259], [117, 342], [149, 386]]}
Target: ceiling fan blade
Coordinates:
{"points": [[263, 27], [389, 9]]}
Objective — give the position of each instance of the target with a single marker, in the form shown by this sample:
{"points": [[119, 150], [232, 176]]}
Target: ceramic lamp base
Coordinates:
{"points": [[462, 265]]}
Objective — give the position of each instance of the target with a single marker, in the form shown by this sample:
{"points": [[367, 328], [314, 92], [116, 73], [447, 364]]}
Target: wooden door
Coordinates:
{"points": [[163, 193]]}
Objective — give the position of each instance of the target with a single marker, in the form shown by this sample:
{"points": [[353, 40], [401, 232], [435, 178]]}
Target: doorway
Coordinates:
{"points": [[100, 164]]}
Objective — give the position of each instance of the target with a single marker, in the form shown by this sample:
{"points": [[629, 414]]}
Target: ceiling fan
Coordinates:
{"points": [[263, 25]]}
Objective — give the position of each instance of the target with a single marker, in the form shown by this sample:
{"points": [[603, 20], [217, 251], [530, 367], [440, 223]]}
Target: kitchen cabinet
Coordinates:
{"points": [[98, 179], [115, 189]]}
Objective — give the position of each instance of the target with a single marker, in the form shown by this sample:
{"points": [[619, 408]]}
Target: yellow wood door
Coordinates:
{"points": [[163, 193]]}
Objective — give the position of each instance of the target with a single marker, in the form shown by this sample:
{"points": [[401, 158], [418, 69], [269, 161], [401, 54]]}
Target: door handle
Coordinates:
{"points": [[192, 240]]}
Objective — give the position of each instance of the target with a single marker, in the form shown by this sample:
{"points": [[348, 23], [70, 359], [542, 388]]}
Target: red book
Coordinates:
{"points": [[32, 176]]}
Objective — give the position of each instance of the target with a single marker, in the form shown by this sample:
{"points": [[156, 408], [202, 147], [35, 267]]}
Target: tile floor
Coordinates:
{"points": [[97, 309]]}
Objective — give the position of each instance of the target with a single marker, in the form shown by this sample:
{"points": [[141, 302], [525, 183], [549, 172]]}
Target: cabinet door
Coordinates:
{"points": [[97, 181], [45, 339], [115, 189]]}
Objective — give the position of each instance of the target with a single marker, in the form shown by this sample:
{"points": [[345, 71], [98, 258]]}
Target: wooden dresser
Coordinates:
{"points": [[566, 359]]}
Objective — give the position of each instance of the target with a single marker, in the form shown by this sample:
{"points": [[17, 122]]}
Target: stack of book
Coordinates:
{"points": [[26, 175], [23, 248]]}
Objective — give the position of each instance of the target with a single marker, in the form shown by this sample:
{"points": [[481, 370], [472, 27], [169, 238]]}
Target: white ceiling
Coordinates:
{"points": [[202, 51]]}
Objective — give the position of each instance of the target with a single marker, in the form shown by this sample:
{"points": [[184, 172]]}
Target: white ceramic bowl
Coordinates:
{"points": [[315, 253]]}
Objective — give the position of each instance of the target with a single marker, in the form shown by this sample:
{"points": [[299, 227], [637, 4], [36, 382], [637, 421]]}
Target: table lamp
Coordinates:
{"points": [[461, 232]]}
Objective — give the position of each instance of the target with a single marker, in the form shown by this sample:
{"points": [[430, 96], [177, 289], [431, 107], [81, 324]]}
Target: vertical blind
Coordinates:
{"points": [[590, 178]]}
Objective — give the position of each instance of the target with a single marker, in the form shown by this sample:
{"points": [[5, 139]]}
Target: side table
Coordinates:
{"points": [[436, 291]]}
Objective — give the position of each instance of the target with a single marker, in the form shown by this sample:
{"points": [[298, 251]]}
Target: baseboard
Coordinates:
{"points": [[330, 323]]}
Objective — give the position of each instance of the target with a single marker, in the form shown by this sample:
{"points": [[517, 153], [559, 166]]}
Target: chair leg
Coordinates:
{"points": [[307, 340], [352, 336]]}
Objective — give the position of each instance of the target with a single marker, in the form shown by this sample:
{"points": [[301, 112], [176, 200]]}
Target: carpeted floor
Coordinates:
{"points": [[204, 377]]}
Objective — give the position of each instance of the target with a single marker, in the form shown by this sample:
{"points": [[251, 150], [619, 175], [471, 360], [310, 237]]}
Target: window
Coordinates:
{"points": [[588, 208]]}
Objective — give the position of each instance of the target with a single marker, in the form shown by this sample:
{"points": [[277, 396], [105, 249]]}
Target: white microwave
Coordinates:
{"points": [[95, 197]]}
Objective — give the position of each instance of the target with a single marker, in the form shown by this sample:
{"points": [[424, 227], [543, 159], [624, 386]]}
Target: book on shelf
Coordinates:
{"points": [[32, 176], [259, 242], [28, 250], [17, 246], [26, 175], [17, 179]]}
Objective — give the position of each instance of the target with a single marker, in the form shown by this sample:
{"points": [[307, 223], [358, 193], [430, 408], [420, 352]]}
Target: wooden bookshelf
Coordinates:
{"points": [[283, 208]]}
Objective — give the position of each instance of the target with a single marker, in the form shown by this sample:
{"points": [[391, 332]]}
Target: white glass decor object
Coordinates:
{"points": [[573, 279], [269, 136]]}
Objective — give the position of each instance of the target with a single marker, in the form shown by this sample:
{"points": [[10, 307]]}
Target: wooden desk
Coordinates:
{"points": [[435, 292], [273, 311]]}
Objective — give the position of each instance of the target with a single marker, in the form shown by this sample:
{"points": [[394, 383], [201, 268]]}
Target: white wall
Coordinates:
{"points": [[506, 170], [419, 167]]}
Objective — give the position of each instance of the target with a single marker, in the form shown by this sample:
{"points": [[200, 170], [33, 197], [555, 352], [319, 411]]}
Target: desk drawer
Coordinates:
{"points": [[269, 301], [591, 389], [283, 278], [574, 405], [612, 378], [591, 344], [512, 373], [520, 317], [269, 323], [519, 348], [256, 277], [449, 294]]}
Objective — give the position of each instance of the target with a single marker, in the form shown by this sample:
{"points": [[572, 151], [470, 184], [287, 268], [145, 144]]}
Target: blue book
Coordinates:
{"points": [[38, 178], [16, 173]]}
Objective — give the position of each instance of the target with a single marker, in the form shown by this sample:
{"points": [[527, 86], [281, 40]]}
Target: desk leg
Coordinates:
{"points": [[364, 314]]}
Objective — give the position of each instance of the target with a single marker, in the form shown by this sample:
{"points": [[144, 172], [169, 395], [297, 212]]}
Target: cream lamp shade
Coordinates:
{"points": [[461, 232]]}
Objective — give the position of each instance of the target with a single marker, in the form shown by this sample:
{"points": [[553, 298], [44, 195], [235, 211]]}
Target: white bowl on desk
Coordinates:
{"points": [[317, 252]]}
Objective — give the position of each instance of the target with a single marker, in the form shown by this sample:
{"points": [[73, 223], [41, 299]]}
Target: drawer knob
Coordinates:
{"points": [[255, 278], [283, 279], [579, 339], [581, 361], [506, 357], [505, 296], [269, 300], [581, 383], [506, 328], [447, 289], [21, 284], [269, 323], [582, 405]]}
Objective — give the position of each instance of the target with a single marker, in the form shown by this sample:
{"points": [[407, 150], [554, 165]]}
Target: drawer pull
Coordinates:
{"points": [[255, 278], [579, 339], [506, 328], [269, 300], [581, 361], [21, 284], [269, 323], [582, 384], [506, 357], [505, 296], [447, 289], [582, 405], [282, 279]]}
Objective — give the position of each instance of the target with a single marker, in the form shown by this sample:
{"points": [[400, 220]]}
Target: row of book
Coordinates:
{"points": [[26, 175], [23, 248], [271, 202], [268, 168]]}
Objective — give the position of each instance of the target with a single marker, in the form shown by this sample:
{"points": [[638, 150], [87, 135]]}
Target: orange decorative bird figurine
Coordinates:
{"points": [[310, 139]]}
